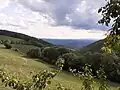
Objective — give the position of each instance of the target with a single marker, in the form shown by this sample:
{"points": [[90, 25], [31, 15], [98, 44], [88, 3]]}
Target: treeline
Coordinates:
{"points": [[110, 63], [28, 39]]}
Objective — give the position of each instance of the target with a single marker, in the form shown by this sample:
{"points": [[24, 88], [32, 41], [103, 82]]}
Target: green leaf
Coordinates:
{"points": [[99, 10]]}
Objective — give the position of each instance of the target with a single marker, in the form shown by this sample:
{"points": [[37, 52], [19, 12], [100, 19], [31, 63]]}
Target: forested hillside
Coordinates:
{"points": [[25, 39]]}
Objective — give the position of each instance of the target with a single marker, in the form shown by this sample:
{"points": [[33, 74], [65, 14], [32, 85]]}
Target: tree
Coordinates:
{"points": [[70, 60], [111, 65], [51, 54], [63, 50], [34, 53], [111, 16], [93, 59]]}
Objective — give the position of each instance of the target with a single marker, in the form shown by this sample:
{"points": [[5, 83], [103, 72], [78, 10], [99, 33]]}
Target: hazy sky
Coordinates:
{"points": [[62, 19]]}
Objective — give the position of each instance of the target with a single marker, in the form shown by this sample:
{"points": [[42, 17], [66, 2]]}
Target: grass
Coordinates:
{"points": [[23, 48], [2, 37], [15, 63]]}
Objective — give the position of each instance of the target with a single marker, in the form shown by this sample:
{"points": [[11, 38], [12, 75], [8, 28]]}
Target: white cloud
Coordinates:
{"points": [[16, 17], [46, 31], [79, 12], [4, 3]]}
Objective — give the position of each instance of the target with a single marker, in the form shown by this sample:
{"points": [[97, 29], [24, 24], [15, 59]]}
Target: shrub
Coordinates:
{"points": [[111, 67], [88, 78], [63, 50], [70, 60], [51, 54], [60, 63], [101, 75], [38, 81], [34, 53], [8, 46]]}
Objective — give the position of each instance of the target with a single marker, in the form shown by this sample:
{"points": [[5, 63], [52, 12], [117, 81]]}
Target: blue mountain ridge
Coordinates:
{"points": [[73, 43]]}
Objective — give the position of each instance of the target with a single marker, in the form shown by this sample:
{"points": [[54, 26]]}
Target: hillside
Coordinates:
{"points": [[28, 40], [94, 47], [15, 63]]}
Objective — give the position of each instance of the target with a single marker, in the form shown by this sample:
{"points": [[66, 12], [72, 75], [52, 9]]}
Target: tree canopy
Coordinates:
{"points": [[111, 17]]}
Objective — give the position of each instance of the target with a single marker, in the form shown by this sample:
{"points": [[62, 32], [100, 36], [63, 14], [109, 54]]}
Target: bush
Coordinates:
{"points": [[110, 63], [8, 46], [34, 53], [70, 60], [51, 54], [112, 67], [93, 59], [63, 50]]}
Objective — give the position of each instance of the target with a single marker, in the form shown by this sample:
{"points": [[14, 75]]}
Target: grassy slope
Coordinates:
{"points": [[25, 37], [14, 62], [22, 48], [2, 37]]}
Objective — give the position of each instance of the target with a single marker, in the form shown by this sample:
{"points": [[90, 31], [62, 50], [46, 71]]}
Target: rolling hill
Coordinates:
{"points": [[72, 43], [94, 47], [21, 41], [18, 64], [28, 40]]}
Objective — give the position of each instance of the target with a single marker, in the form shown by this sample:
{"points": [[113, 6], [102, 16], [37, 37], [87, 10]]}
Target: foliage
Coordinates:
{"points": [[111, 67], [60, 63], [7, 44], [51, 54], [63, 50], [102, 79], [111, 15], [70, 60], [61, 87], [93, 59], [88, 78], [34, 53], [38, 81], [110, 62]]}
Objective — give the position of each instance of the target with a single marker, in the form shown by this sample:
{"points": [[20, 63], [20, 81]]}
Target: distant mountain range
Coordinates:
{"points": [[72, 43]]}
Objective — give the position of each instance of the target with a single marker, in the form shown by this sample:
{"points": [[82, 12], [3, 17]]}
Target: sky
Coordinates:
{"points": [[53, 19]]}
